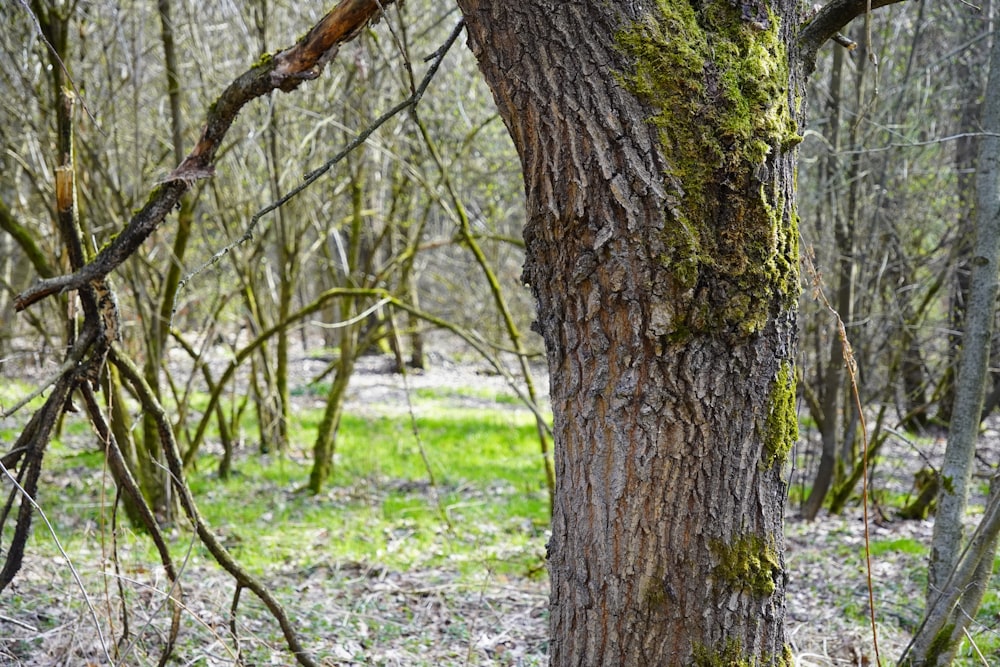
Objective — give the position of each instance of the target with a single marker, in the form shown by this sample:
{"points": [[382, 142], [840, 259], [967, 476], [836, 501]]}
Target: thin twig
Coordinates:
{"points": [[62, 66], [852, 367], [284, 71], [354, 320], [21, 624], [918, 144], [232, 619], [168, 597], [972, 643], [126, 483], [469, 240], [208, 538], [415, 428], [79, 350]]}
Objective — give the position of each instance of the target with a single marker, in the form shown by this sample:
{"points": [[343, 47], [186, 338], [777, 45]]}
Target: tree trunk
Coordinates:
{"points": [[657, 151], [832, 387], [968, 74], [970, 386], [937, 639]]}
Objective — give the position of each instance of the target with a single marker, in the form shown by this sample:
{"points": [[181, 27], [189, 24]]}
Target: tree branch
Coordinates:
{"points": [[208, 538], [828, 22], [284, 71]]}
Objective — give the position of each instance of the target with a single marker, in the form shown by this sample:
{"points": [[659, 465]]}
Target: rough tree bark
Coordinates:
{"points": [[657, 153], [657, 144]]}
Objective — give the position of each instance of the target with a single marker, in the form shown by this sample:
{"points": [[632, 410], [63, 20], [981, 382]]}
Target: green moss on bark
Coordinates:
{"points": [[656, 594], [781, 426], [265, 60], [941, 645], [718, 86], [732, 655], [748, 563]]}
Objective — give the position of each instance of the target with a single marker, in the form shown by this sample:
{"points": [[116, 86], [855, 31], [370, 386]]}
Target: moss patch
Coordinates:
{"points": [[941, 645], [730, 656], [748, 563], [265, 60], [718, 87], [781, 427]]}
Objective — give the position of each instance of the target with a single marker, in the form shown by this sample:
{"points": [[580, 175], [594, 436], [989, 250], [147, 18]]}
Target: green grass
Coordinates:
{"points": [[486, 510], [313, 389], [435, 393], [477, 447], [987, 644], [11, 392], [480, 525], [903, 545]]}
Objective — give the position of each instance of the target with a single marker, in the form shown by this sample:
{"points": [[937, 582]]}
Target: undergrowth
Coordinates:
{"points": [[357, 565], [384, 567]]}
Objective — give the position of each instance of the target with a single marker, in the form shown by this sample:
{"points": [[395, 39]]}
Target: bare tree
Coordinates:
{"points": [[658, 146], [959, 571]]}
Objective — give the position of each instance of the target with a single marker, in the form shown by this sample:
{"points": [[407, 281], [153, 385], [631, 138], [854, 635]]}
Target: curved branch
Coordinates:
{"points": [[830, 20], [208, 538], [410, 102], [284, 71], [126, 484]]}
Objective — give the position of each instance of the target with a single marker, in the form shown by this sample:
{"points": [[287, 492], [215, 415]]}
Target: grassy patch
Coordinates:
{"points": [[904, 545], [453, 393], [383, 566], [312, 389], [474, 447], [11, 392], [486, 509]]}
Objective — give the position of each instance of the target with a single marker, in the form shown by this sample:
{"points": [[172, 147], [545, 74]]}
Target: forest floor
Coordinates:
{"points": [[394, 607]]}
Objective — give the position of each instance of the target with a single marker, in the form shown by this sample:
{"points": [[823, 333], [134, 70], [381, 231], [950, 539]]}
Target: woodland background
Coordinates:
{"points": [[358, 361]]}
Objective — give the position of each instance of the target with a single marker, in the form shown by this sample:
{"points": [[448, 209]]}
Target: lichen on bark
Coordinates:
{"points": [[718, 89]]}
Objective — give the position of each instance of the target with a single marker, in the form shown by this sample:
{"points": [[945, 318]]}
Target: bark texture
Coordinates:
{"points": [[656, 142]]}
